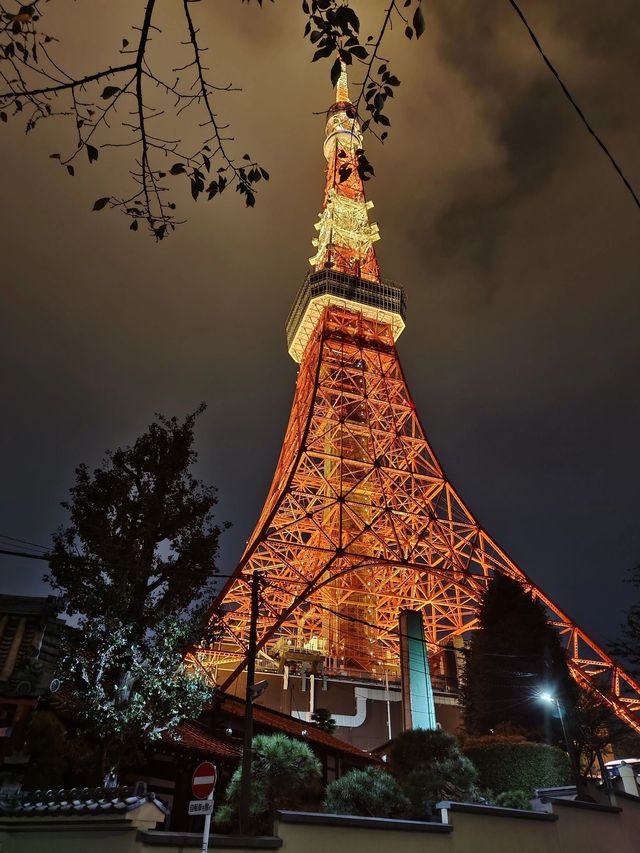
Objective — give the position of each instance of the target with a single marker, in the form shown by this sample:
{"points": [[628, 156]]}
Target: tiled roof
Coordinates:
{"points": [[289, 725], [78, 801], [196, 739]]}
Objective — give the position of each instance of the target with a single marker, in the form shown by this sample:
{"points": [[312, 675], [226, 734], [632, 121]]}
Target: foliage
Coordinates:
{"points": [[47, 747], [284, 773], [370, 792], [142, 537], [514, 800], [512, 656], [322, 718], [135, 566], [56, 757], [479, 741], [130, 689], [627, 745], [594, 726], [430, 767], [627, 646], [504, 766], [131, 101], [333, 28]]}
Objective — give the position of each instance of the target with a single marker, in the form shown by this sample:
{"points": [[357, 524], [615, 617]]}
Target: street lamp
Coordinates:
{"points": [[553, 700]]}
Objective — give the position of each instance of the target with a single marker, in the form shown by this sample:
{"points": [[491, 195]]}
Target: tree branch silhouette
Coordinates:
{"points": [[130, 104]]}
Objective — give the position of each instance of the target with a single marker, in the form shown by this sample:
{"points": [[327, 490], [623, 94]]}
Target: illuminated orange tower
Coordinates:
{"points": [[361, 522]]}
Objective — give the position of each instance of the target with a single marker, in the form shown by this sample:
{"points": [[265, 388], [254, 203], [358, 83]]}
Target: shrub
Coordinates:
{"points": [[508, 766], [371, 792], [475, 741], [514, 800], [49, 751], [322, 718], [284, 773], [430, 767]]}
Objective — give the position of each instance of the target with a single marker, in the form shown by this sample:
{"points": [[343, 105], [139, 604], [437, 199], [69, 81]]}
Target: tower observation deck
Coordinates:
{"points": [[347, 273], [382, 301], [361, 522]]}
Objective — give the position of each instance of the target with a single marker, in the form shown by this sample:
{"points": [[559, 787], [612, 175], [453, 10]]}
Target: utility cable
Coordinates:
{"points": [[572, 101], [7, 553], [23, 542]]}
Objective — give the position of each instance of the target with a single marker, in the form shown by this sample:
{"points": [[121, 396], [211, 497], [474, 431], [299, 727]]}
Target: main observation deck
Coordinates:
{"points": [[384, 301]]}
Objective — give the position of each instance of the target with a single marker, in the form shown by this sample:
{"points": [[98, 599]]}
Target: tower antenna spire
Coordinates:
{"points": [[342, 86], [345, 235]]}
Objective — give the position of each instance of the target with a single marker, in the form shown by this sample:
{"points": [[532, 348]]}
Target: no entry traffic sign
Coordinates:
{"points": [[204, 780]]}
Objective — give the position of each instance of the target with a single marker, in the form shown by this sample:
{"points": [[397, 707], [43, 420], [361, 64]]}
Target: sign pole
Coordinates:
{"points": [[203, 784], [207, 826]]}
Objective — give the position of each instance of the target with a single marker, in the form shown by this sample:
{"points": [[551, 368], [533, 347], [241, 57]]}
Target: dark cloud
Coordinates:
{"points": [[515, 241]]}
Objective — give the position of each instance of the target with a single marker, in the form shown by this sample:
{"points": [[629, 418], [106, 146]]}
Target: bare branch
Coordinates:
{"points": [[30, 60]]}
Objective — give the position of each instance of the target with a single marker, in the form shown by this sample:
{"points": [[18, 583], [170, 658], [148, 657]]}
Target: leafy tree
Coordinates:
{"points": [[48, 750], [284, 773], [371, 792], [512, 656], [594, 727], [430, 767], [57, 757], [120, 103], [322, 718], [135, 566], [628, 644], [627, 745]]}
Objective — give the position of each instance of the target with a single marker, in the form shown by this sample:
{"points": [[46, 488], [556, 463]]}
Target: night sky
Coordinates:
{"points": [[514, 239]]}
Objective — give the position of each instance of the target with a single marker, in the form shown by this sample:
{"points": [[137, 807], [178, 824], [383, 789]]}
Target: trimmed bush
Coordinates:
{"points": [[371, 792], [284, 773], [430, 767], [509, 766], [514, 800]]}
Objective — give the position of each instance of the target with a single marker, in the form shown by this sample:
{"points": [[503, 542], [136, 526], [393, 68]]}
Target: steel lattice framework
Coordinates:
{"points": [[361, 521]]}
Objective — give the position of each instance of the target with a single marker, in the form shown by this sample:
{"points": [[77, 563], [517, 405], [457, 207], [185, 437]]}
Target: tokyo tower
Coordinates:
{"points": [[361, 522]]}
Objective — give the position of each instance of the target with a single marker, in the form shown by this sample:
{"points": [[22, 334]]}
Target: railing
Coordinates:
{"points": [[386, 295]]}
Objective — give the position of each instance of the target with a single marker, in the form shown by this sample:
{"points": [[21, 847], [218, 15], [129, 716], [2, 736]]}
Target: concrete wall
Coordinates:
{"points": [[604, 831], [567, 827], [107, 834], [322, 833]]}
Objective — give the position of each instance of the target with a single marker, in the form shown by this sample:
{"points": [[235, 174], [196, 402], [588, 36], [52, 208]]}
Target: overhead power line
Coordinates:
{"points": [[23, 542], [572, 101], [8, 553]]}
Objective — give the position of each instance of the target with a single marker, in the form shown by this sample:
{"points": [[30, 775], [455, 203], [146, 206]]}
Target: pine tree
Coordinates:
{"points": [[135, 567], [513, 656], [322, 718], [429, 767]]}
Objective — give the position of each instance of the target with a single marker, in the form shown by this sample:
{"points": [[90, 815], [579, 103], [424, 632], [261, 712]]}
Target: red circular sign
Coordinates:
{"points": [[204, 780]]}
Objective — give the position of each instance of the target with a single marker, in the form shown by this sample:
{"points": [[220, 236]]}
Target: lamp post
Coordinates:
{"points": [[553, 700]]}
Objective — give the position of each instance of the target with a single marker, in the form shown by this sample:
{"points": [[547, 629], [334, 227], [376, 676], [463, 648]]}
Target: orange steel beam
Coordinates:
{"points": [[361, 522]]}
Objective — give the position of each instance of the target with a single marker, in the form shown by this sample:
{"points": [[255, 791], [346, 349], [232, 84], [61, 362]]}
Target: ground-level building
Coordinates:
{"points": [[30, 636]]}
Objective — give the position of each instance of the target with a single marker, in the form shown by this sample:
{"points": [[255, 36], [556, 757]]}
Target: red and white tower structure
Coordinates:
{"points": [[361, 522]]}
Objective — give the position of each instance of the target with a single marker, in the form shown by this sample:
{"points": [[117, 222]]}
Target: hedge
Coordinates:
{"points": [[519, 766], [371, 792]]}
